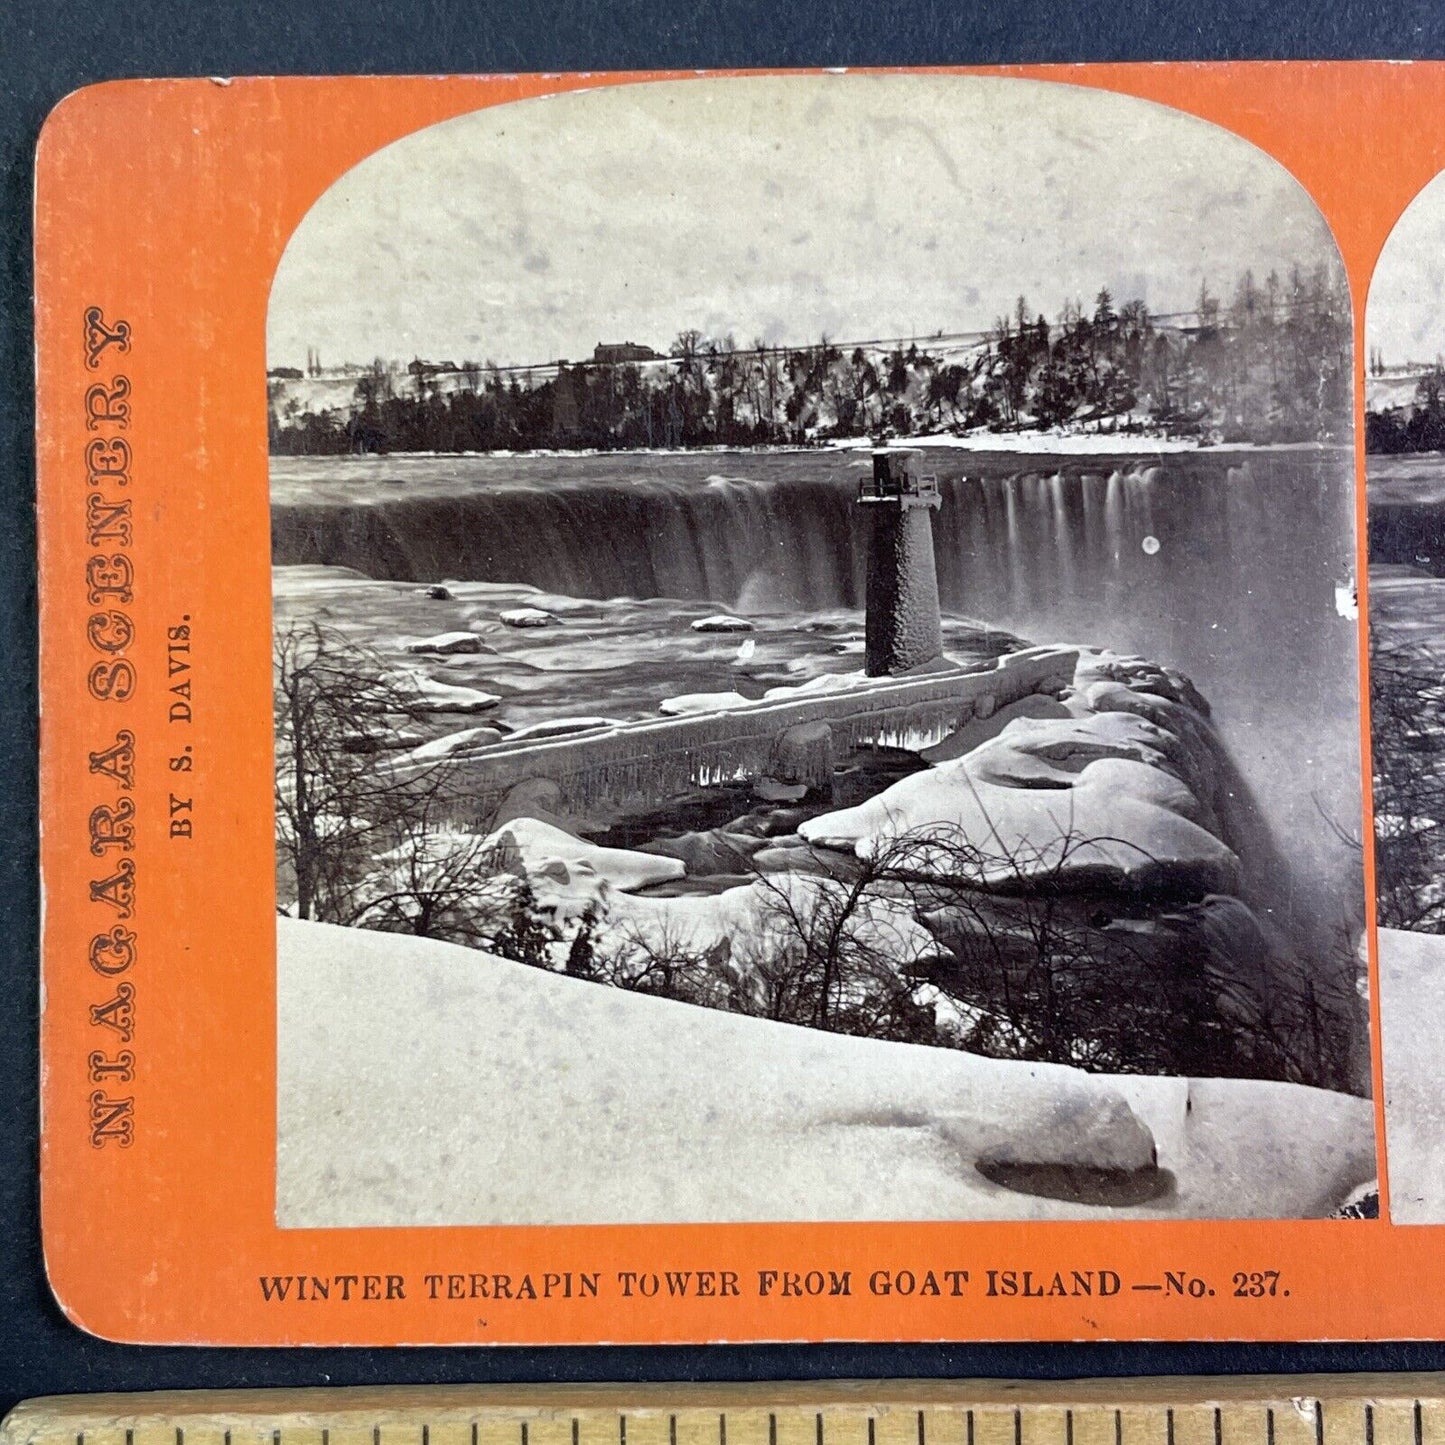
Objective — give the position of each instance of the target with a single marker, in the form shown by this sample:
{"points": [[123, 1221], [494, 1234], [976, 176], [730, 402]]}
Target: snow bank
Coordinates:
{"points": [[550, 856], [1116, 790], [527, 617], [424, 1084], [1412, 1005]]}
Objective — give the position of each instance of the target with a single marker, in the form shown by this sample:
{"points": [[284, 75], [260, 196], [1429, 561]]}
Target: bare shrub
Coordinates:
{"points": [[1407, 737], [1033, 966], [360, 839]]}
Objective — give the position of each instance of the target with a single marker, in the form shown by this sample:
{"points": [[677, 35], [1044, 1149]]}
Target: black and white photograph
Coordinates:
{"points": [[816, 669], [1405, 446]]}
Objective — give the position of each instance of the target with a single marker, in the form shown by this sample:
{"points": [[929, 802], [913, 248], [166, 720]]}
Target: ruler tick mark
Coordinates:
{"points": [[1169, 1425], [1419, 1424], [1068, 1427], [722, 1430], [1269, 1425], [1218, 1426], [425, 1435], [671, 1431], [922, 1439], [1369, 1425], [818, 1427], [1319, 1422], [1018, 1427], [872, 1423], [1118, 1428], [772, 1430], [970, 1428], [576, 1430], [622, 1430]]}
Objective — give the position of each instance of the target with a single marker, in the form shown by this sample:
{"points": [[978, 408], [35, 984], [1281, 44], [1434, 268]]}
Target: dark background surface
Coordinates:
{"points": [[49, 49]]}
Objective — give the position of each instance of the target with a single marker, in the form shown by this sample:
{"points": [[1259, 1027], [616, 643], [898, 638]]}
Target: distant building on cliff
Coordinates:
{"points": [[621, 352]]}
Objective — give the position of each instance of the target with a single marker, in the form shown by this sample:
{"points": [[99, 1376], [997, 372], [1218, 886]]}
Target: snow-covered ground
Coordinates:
{"points": [[1055, 442], [1412, 1004], [422, 1083]]}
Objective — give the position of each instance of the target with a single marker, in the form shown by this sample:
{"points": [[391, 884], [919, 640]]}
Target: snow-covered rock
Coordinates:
{"points": [[434, 696], [585, 871], [827, 682], [561, 727], [980, 729], [1104, 794], [457, 744], [775, 790], [527, 617], [716, 851], [1137, 675], [691, 703], [378, 740], [501, 1094], [759, 921], [448, 644], [722, 623]]}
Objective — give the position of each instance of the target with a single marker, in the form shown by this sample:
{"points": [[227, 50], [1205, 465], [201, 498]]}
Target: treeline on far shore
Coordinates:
{"points": [[1271, 363], [1418, 426]]}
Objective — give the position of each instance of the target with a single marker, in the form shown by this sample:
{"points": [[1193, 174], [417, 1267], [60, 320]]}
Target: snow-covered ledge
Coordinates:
{"points": [[421, 1083]]}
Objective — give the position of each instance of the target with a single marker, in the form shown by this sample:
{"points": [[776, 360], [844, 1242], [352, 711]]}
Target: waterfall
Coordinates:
{"points": [[1221, 563]]}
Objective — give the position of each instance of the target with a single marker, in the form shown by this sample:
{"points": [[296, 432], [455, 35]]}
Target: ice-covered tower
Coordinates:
{"points": [[903, 629]]}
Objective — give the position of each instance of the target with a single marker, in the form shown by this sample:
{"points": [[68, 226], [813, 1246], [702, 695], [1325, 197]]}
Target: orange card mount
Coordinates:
{"points": [[737, 707]]}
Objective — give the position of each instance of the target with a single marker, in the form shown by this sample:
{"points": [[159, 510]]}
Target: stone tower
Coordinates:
{"points": [[903, 630]]}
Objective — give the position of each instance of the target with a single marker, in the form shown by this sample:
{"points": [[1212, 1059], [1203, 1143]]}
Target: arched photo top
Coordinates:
{"points": [[1405, 339], [780, 209]]}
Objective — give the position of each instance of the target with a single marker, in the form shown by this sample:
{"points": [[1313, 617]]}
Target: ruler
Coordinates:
{"points": [[1300, 1410]]}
